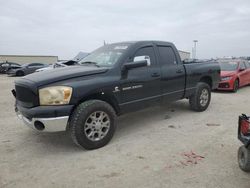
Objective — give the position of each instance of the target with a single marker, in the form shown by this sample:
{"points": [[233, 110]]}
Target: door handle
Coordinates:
{"points": [[155, 74], [179, 71]]}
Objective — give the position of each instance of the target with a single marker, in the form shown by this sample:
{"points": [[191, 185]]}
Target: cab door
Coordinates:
{"points": [[140, 87], [172, 73]]}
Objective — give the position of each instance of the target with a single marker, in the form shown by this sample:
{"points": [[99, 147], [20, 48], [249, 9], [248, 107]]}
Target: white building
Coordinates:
{"points": [[22, 59], [184, 55]]}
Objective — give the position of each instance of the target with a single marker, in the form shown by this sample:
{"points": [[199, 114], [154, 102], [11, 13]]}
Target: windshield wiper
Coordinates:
{"points": [[90, 62]]}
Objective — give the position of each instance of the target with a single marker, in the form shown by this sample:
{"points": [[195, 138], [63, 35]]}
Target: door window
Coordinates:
{"points": [[34, 65], [242, 66]]}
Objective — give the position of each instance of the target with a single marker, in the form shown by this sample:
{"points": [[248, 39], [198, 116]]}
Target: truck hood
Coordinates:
{"points": [[227, 73], [55, 75]]}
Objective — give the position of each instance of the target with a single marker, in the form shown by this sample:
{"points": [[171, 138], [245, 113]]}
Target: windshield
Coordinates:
{"points": [[105, 56], [228, 66]]}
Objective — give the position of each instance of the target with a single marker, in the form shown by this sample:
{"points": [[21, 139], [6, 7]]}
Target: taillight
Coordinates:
{"points": [[244, 127]]}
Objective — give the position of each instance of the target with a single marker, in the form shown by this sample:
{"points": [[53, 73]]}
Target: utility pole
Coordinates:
{"points": [[194, 49]]}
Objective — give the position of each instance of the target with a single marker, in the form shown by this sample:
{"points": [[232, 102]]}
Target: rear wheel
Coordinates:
{"points": [[236, 86], [244, 158], [92, 124], [200, 100]]}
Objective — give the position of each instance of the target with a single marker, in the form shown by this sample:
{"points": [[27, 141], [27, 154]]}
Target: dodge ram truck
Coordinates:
{"points": [[114, 79]]}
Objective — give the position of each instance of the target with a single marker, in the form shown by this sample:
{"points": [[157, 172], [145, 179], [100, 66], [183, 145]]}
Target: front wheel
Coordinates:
{"points": [[244, 158], [92, 124], [200, 100]]}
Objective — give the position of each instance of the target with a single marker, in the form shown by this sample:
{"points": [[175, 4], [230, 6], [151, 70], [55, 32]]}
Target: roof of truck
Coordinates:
{"points": [[143, 41]]}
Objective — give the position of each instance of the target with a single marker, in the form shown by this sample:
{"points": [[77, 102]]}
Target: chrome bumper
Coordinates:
{"points": [[54, 124]]}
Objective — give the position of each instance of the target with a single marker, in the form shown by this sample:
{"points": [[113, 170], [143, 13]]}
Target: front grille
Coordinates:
{"points": [[26, 97], [224, 85]]}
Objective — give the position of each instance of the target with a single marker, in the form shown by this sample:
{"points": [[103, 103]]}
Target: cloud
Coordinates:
{"points": [[63, 28]]}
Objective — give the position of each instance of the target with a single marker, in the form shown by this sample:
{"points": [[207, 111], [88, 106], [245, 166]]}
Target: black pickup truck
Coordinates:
{"points": [[113, 80]]}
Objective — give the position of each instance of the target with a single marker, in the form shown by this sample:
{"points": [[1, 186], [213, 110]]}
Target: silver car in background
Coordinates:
{"points": [[26, 69]]}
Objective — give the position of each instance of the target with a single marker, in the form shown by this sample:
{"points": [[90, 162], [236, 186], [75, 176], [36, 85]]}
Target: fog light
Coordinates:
{"points": [[39, 125]]}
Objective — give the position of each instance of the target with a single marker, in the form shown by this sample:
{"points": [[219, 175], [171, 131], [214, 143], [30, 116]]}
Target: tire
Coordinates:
{"points": [[20, 73], [84, 126], [236, 86], [200, 100], [244, 158]]}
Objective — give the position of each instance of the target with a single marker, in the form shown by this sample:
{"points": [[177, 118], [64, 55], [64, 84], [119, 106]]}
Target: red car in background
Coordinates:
{"points": [[235, 73]]}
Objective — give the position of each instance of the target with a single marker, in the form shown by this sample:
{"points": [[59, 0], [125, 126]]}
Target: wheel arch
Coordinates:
{"points": [[208, 80], [111, 100]]}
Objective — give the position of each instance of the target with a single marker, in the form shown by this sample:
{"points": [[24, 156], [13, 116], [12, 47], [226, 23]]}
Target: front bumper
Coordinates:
{"points": [[53, 124], [226, 85], [45, 118]]}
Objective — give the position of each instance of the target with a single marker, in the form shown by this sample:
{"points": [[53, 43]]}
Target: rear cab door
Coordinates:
{"points": [[172, 73]]}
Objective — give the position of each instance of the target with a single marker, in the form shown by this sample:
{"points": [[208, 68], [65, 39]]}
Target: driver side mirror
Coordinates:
{"points": [[242, 69], [142, 58], [138, 61]]}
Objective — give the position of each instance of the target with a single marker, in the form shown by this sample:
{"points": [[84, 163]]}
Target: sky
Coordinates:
{"points": [[65, 27]]}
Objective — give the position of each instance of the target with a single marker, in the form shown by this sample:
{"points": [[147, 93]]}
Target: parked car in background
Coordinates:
{"points": [[26, 69], [61, 64], [58, 65], [244, 137], [235, 73], [4, 67]]}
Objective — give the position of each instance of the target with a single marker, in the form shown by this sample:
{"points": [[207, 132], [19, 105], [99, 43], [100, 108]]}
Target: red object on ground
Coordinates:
{"points": [[244, 127], [191, 158]]}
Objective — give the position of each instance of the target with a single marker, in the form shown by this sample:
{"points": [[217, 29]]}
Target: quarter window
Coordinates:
{"points": [[167, 55], [247, 65]]}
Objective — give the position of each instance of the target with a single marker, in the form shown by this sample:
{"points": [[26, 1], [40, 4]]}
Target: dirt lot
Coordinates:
{"points": [[167, 146]]}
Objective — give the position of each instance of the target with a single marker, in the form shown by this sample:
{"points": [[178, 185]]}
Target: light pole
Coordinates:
{"points": [[194, 50]]}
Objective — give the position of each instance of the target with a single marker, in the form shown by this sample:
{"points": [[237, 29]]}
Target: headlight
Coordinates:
{"points": [[226, 78], [55, 95]]}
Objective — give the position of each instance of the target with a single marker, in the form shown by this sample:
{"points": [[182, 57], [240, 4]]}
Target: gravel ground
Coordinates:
{"points": [[168, 146]]}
